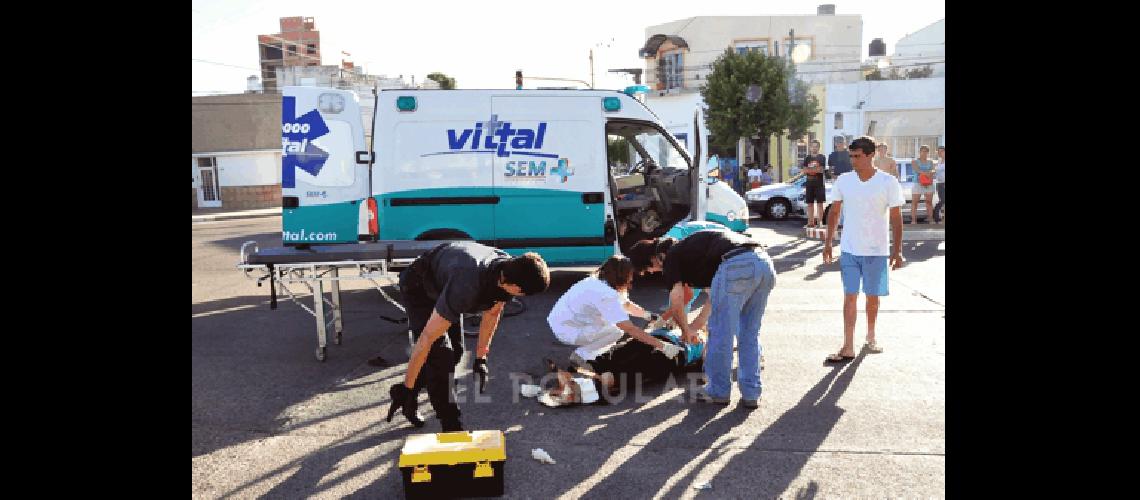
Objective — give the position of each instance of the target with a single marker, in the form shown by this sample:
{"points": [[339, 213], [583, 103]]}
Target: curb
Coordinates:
{"points": [[214, 217]]}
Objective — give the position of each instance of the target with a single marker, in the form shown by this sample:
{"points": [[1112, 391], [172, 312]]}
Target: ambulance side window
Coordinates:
{"points": [[661, 151], [641, 147], [619, 155]]}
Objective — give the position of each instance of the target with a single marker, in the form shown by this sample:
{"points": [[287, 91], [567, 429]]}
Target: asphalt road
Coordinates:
{"points": [[268, 419]]}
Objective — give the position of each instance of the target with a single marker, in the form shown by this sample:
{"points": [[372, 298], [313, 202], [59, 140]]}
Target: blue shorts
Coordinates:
{"points": [[870, 269]]}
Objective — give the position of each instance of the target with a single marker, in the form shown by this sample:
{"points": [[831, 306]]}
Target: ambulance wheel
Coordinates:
{"points": [[337, 339], [320, 354]]}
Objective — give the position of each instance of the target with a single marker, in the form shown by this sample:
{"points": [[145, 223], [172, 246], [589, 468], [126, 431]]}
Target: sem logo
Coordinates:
{"points": [[496, 137], [526, 170]]}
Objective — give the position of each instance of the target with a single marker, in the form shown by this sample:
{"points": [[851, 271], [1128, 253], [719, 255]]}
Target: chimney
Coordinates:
{"points": [[827, 9], [877, 48]]}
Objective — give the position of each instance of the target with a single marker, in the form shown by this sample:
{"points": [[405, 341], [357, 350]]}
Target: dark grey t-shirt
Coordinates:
{"points": [[840, 162], [464, 278]]}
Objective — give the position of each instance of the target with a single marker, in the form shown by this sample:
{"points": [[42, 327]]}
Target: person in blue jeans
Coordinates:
{"points": [[740, 276], [679, 232]]}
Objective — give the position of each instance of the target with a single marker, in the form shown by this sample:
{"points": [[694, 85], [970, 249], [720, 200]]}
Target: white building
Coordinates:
{"points": [[679, 57], [903, 113], [925, 46], [679, 54]]}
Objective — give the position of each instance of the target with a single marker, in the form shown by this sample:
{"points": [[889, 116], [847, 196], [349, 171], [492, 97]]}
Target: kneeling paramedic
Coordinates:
{"points": [[740, 276], [439, 286]]}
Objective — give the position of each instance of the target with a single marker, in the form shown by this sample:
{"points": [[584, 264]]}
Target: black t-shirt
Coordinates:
{"points": [[694, 260], [814, 179], [463, 278]]}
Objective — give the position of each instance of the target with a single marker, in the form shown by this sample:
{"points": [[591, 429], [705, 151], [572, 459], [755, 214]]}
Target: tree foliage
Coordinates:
{"points": [[910, 74], [445, 82], [784, 106]]}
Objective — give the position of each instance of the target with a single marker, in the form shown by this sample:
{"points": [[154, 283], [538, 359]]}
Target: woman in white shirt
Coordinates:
{"points": [[594, 313]]}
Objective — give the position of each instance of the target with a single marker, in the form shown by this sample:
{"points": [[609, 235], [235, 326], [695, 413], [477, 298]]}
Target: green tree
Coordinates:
{"points": [[923, 72], [617, 150], [784, 104], [445, 82]]}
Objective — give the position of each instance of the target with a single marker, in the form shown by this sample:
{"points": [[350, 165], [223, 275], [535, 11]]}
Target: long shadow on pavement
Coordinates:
{"points": [[793, 437], [249, 363]]}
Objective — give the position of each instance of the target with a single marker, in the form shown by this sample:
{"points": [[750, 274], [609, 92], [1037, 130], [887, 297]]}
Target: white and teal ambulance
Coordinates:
{"points": [[576, 176]]}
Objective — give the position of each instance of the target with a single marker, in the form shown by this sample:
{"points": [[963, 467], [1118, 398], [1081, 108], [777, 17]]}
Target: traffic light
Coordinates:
{"points": [[518, 80]]}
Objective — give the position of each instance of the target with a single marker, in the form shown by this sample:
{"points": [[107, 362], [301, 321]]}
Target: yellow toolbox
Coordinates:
{"points": [[454, 464]]}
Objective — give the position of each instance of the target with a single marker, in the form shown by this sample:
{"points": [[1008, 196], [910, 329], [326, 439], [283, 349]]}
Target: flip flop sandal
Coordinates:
{"points": [[838, 358]]}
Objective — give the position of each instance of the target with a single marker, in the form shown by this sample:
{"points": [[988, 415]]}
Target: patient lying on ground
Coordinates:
{"points": [[623, 362]]}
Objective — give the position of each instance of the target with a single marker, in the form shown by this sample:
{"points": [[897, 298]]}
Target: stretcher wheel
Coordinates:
{"points": [[337, 339], [320, 354]]}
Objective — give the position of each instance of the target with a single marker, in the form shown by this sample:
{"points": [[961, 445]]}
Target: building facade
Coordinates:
{"points": [[926, 46], [904, 114], [298, 44], [236, 151], [679, 57]]}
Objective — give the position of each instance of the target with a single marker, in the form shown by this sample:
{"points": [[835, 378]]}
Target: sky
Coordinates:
{"points": [[481, 44]]}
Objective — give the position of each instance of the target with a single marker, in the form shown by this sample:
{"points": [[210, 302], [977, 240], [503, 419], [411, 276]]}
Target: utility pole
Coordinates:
{"points": [[780, 136], [591, 68]]}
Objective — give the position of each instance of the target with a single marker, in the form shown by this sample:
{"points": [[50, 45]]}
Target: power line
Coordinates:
{"points": [[224, 64], [860, 68]]}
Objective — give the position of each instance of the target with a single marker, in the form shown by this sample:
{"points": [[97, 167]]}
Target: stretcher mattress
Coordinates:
{"points": [[377, 250]]}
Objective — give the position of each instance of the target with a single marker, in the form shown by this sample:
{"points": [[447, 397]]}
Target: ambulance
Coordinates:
{"points": [[575, 175]]}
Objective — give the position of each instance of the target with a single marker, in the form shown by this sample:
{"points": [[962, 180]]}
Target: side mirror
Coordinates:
{"points": [[713, 166], [712, 169]]}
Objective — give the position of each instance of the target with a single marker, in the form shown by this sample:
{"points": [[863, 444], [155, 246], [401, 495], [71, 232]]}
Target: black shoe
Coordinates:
{"points": [[405, 398], [452, 425]]}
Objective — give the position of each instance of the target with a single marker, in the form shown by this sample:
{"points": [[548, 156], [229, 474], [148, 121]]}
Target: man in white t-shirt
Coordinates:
{"points": [[869, 200], [594, 313]]}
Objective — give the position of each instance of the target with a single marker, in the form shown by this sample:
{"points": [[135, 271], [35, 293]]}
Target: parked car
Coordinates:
{"points": [[780, 200], [907, 180], [785, 199]]}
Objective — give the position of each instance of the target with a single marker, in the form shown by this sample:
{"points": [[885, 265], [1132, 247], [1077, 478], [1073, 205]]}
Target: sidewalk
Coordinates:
{"points": [[209, 214], [911, 232]]}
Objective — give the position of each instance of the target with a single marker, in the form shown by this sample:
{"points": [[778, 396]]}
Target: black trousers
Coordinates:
{"points": [[439, 369], [630, 356]]}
